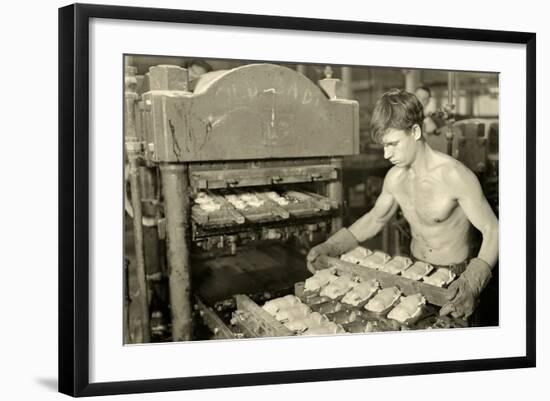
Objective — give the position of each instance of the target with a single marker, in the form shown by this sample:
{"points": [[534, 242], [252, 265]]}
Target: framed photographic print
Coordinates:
{"points": [[250, 199]]}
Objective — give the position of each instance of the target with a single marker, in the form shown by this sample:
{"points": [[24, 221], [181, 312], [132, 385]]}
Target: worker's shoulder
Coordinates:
{"points": [[394, 176], [451, 170]]}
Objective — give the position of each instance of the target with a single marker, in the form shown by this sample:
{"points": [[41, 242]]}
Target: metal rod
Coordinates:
{"points": [[347, 82], [451, 109], [175, 183], [142, 296], [412, 80], [127, 300], [450, 143], [335, 191], [450, 87], [133, 153], [130, 98]]}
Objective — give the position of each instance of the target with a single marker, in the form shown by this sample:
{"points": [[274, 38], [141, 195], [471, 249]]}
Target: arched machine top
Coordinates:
{"points": [[257, 111], [271, 75]]}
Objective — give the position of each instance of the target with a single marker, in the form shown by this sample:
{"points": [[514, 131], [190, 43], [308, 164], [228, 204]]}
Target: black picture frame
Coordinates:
{"points": [[74, 201]]}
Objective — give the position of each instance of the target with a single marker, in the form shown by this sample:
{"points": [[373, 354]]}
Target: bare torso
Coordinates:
{"points": [[439, 226]]}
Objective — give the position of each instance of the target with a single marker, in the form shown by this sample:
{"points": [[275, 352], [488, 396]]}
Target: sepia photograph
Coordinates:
{"points": [[269, 199], [257, 199]]}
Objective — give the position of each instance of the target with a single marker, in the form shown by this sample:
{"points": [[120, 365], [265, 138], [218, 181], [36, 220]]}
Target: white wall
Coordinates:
{"points": [[28, 335]]}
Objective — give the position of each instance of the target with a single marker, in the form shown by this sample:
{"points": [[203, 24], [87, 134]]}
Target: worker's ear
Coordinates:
{"points": [[416, 132]]}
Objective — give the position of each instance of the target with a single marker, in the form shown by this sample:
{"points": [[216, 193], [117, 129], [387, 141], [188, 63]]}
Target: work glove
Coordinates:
{"points": [[340, 242], [463, 292]]}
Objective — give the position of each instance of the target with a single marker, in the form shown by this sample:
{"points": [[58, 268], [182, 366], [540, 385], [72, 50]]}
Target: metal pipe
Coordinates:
{"points": [[450, 138], [335, 191], [412, 80], [127, 300], [147, 177], [135, 187], [175, 184], [347, 82], [451, 109], [450, 87], [133, 153], [130, 104]]}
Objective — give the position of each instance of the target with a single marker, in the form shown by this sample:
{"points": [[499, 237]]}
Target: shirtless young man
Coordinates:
{"points": [[439, 196]]}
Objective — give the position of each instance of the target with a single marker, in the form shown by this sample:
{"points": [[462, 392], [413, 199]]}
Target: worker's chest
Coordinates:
{"points": [[425, 199]]}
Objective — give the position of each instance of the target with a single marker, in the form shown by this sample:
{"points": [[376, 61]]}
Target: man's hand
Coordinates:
{"points": [[463, 293], [323, 249], [341, 242]]}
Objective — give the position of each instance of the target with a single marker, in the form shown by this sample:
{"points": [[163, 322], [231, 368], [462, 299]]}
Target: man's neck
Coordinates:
{"points": [[420, 165]]}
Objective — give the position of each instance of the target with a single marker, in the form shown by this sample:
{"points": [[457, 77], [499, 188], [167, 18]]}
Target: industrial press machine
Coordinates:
{"points": [[261, 133]]}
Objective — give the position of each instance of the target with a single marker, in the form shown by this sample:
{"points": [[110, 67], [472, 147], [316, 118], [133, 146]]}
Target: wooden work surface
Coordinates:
{"points": [[262, 269]]}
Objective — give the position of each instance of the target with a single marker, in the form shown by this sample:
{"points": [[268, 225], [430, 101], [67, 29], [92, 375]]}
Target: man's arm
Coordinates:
{"points": [[372, 222], [471, 199], [464, 291], [365, 227]]}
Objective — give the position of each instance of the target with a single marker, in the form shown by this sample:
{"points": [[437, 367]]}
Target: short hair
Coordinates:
{"points": [[395, 109]]}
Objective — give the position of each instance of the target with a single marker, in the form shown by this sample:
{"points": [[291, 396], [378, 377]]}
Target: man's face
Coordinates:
{"points": [[422, 96], [399, 146]]}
